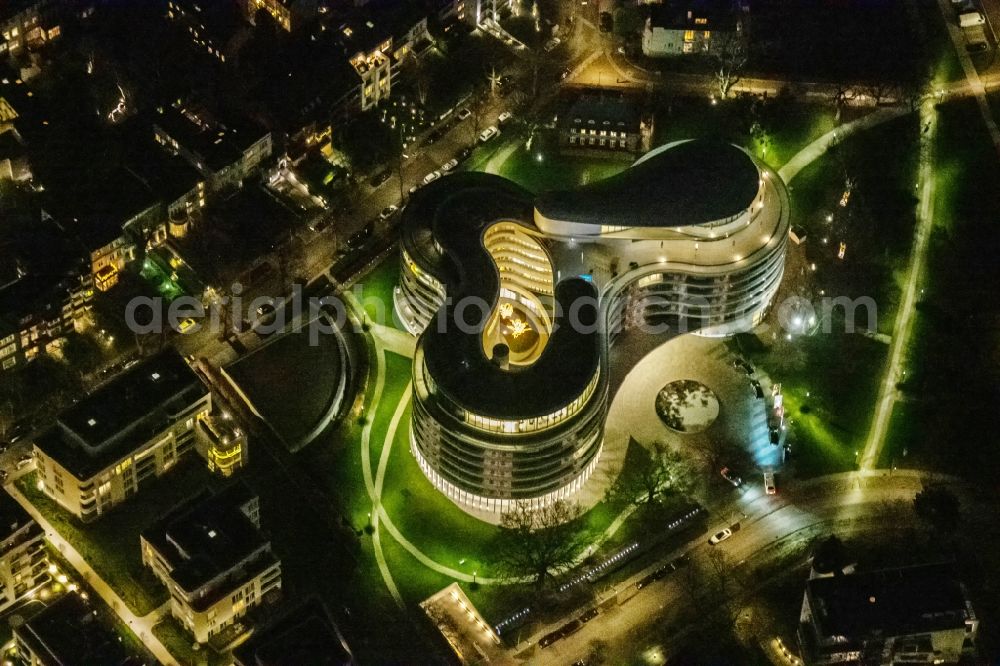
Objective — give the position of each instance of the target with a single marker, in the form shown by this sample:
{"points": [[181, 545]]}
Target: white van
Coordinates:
{"points": [[970, 18]]}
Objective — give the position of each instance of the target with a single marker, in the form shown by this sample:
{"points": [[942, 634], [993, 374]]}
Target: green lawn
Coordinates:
{"points": [[952, 385], [374, 292], [554, 171], [179, 643], [111, 544], [829, 383], [788, 126]]}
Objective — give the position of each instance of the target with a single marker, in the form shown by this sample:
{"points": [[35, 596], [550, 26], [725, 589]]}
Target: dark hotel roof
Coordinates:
{"points": [[464, 208], [684, 184], [894, 602]]}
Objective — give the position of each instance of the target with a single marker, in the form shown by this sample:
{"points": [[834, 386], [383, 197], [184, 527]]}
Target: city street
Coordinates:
{"points": [[845, 501]]}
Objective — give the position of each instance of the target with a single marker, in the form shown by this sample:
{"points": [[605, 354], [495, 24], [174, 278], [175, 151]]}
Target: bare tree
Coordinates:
{"points": [[730, 60], [647, 484], [842, 96], [416, 68], [539, 543], [713, 588], [716, 452], [879, 90]]}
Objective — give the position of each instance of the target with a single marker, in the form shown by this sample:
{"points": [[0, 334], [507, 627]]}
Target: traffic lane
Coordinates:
{"points": [[769, 523], [665, 601]]}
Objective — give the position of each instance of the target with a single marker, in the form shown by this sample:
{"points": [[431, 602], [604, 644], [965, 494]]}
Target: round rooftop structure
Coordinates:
{"points": [[677, 185]]}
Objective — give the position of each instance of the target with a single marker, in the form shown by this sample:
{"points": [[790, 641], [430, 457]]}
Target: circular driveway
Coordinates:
{"points": [[742, 416]]}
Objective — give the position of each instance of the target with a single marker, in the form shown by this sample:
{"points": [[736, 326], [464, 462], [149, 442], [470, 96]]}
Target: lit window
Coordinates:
{"points": [[701, 21], [689, 35]]}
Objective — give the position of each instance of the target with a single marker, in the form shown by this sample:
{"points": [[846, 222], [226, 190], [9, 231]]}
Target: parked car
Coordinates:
{"points": [[563, 75], [769, 483], [3, 475], [387, 212], [380, 177], [319, 224], [431, 177], [719, 537], [413, 189], [504, 117], [741, 364], [731, 477], [970, 19], [606, 22], [449, 165], [549, 638], [463, 113], [552, 44], [185, 325], [757, 390], [488, 133]]}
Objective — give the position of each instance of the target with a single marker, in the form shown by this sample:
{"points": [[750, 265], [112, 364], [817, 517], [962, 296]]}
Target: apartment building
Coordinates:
{"points": [[137, 427], [605, 125], [305, 635], [45, 286], [68, 632], [910, 615], [23, 560], [27, 23], [211, 555], [225, 153], [211, 25], [691, 27], [291, 15]]}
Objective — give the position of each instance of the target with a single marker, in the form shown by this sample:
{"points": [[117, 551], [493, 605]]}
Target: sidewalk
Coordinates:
{"points": [[142, 627]]}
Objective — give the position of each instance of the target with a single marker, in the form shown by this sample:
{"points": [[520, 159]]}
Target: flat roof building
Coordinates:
{"points": [[306, 635], [68, 632], [225, 152], [136, 427], [23, 559], [910, 615], [211, 555]]}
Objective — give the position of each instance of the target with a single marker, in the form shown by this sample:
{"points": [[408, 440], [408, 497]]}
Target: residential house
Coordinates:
{"points": [[213, 558], [679, 27], [68, 632], [226, 153], [24, 561], [909, 615], [139, 426]]}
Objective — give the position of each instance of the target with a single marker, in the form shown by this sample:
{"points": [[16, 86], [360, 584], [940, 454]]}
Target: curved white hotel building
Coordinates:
{"points": [[518, 298]]}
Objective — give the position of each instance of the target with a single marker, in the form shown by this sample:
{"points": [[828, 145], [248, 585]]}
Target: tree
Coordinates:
{"points": [[539, 542], [417, 71], [842, 96], [647, 484], [716, 453], [730, 59], [713, 588], [939, 507], [829, 555]]}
